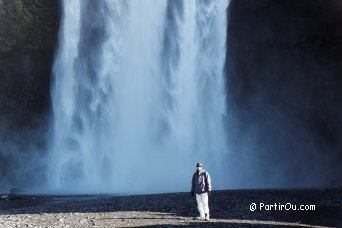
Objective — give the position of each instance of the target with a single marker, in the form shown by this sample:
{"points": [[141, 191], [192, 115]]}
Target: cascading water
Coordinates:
{"points": [[138, 95]]}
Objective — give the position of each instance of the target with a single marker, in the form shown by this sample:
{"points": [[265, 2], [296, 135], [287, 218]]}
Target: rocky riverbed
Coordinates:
{"points": [[228, 208]]}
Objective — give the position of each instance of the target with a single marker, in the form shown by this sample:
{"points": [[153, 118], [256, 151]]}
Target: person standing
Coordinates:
{"points": [[201, 188]]}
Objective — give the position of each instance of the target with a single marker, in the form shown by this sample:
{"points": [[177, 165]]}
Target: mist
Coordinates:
{"points": [[126, 97]]}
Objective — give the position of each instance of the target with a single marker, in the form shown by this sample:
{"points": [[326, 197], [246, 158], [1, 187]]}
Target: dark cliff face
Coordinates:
{"points": [[28, 35], [284, 80]]}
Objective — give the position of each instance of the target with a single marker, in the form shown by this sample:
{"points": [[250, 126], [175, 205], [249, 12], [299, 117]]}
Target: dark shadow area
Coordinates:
{"points": [[208, 224], [230, 207], [28, 37], [284, 68]]}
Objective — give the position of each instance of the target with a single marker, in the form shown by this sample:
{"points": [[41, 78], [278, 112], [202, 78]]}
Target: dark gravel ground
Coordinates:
{"points": [[228, 208]]}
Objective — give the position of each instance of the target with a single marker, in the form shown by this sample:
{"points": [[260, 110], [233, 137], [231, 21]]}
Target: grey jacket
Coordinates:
{"points": [[201, 182]]}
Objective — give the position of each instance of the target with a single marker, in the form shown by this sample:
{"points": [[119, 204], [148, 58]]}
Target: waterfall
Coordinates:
{"points": [[138, 96]]}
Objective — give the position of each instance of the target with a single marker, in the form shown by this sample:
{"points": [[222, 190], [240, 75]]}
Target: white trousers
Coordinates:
{"points": [[202, 204]]}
